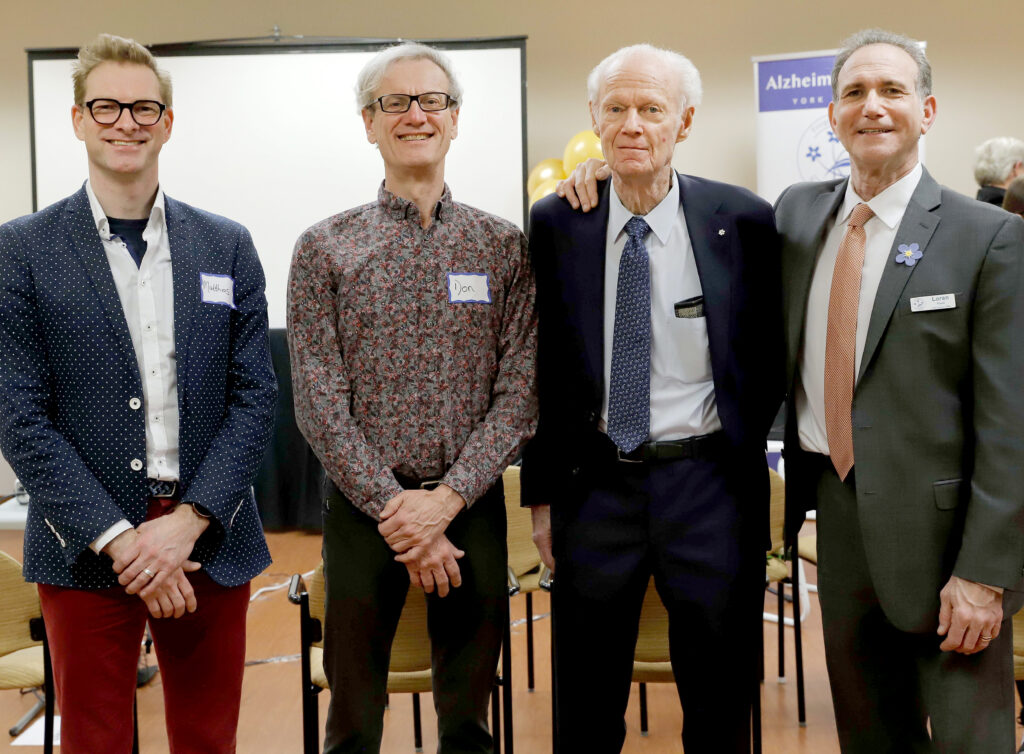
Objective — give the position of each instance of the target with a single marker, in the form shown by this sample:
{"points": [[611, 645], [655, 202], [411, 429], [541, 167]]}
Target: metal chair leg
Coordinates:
{"points": [[798, 647], [51, 698], [529, 642], [506, 686], [643, 709], [29, 716], [417, 723], [782, 631]]}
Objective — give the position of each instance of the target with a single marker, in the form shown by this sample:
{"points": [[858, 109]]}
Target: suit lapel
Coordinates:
{"points": [[917, 226], [803, 244], [185, 276], [713, 252], [585, 272], [89, 247]]}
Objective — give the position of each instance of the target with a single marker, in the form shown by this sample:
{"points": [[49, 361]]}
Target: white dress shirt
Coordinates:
{"points": [[682, 390], [147, 299], [880, 232]]}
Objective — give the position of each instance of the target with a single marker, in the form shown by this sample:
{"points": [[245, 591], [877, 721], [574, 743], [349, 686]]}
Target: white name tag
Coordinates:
{"points": [[931, 303], [217, 289], [468, 288]]}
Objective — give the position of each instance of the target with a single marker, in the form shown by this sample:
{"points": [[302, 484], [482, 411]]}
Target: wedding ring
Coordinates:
{"points": [[148, 572], [986, 638]]}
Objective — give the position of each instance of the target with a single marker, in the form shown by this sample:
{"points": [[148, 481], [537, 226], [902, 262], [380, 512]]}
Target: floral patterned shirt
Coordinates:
{"points": [[399, 363]]}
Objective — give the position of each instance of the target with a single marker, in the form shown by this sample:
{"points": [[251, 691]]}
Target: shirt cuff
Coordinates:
{"points": [[104, 539]]}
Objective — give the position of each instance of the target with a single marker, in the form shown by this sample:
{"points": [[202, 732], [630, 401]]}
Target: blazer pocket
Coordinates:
{"points": [[947, 494]]}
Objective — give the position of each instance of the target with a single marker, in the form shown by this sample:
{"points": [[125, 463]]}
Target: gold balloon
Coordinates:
{"points": [[580, 148], [543, 189], [542, 171]]}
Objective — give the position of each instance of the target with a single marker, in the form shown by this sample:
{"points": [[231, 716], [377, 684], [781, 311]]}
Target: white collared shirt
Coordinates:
{"points": [[880, 231], [682, 390], [147, 299]]}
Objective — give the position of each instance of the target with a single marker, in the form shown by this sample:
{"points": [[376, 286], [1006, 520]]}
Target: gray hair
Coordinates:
{"points": [[995, 158], [373, 72], [689, 87], [882, 37]]}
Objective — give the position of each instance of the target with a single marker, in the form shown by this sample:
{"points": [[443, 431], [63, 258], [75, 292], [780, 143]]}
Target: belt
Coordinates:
{"points": [[702, 446], [408, 483], [162, 488]]}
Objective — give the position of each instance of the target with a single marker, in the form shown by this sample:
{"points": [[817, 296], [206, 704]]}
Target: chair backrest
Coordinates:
{"points": [[522, 553], [652, 637], [315, 590], [1018, 645], [19, 603], [410, 650], [777, 509]]}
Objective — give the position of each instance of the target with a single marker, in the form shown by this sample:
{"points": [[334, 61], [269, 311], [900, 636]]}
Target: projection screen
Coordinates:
{"points": [[269, 135]]}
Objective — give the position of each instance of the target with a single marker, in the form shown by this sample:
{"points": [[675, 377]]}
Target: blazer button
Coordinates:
{"points": [[134, 403], [136, 464]]}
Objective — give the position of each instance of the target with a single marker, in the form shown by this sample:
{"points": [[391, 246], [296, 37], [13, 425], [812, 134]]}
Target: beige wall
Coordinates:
{"points": [[969, 45]]}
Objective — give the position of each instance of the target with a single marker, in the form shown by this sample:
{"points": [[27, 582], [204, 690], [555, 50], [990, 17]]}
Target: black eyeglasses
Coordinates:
{"points": [[145, 112], [429, 102]]}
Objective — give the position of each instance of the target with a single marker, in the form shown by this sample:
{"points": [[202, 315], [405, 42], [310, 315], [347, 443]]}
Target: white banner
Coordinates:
{"points": [[794, 139]]}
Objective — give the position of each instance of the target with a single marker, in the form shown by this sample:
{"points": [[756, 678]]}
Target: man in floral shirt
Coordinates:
{"points": [[412, 335]]}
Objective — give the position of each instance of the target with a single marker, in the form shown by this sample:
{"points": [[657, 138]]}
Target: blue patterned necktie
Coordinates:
{"points": [[629, 394]]}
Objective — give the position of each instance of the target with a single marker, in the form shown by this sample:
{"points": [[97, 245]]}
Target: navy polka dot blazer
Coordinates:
{"points": [[71, 421]]}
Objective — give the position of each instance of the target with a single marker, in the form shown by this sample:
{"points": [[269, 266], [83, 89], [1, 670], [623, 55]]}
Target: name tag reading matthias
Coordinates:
{"points": [[217, 289], [468, 288], [931, 303]]}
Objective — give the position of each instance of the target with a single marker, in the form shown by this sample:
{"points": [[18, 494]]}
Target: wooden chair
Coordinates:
{"points": [[651, 662], [525, 570], [24, 654], [409, 671], [777, 573], [1018, 658]]}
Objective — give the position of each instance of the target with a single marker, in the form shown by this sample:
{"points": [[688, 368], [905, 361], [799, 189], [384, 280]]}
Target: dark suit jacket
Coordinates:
{"points": [[736, 250], [938, 409], [68, 371]]}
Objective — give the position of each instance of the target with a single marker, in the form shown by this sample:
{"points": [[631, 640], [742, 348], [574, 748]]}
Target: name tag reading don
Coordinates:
{"points": [[217, 289], [931, 303], [468, 288]]}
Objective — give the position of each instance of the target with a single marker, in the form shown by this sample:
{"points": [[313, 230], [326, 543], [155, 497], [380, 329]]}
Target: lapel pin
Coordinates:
{"points": [[721, 231], [908, 254]]}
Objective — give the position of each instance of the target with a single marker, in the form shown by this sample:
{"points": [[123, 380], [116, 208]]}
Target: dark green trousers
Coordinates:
{"points": [[889, 685], [365, 591]]}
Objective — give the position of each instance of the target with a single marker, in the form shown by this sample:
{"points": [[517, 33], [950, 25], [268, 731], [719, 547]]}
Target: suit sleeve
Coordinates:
{"points": [[322, 388], [226, 472], [992, 549], [73, 503]]}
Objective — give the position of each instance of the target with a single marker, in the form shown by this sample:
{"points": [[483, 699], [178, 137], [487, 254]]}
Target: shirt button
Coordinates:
{"points": [[142, 283], [136, 464], [134, 403]]}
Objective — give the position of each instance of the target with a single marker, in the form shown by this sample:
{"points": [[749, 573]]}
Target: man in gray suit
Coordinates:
{"points": [[904, 307]]}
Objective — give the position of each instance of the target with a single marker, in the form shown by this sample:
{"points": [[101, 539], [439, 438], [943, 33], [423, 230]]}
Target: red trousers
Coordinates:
{"points": [[95, 636]]}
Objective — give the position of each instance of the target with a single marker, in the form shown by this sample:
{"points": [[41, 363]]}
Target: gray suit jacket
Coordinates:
{"points": [[938, 408]]}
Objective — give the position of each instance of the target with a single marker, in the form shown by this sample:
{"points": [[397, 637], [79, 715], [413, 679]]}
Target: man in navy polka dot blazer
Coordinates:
{"points": [[136, 396]]}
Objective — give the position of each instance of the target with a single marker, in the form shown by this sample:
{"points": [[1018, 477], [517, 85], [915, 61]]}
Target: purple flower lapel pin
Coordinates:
{"points": [[908, 254]]}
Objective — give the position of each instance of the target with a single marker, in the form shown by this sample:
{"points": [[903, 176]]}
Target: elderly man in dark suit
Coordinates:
{"points": [[904, 306], [659, 370], [136, 394]]}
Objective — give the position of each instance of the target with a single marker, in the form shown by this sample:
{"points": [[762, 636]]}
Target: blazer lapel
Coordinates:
{"points": [[802, 246], [89, 247], [185, 276], [713, 253], [917, 226], [584, 273]]}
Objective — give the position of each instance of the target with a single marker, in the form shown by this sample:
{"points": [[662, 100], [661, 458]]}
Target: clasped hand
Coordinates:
{"points": [[152, 560], [413, 524]]}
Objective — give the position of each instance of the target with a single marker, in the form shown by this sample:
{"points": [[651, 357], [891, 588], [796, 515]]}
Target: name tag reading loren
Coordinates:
{"points": [[931, 303], [468, 288], [217, 289]]}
